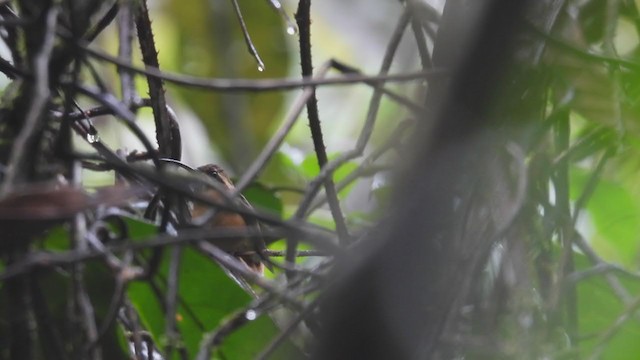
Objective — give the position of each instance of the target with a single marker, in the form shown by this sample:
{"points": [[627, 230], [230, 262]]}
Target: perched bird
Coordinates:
{"points": [[246, 250]]}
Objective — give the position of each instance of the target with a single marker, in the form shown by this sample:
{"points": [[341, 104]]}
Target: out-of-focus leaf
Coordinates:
{"points": [[586, 86], [139, 228], [311, 169], [208, 296], [598, 309], [591, 140], [210, 44], [309, 166], [57, 239], [615, 215], [51, 291], [282, 170], [100, 285], [262, 198], [626, 37], [382, 194]]}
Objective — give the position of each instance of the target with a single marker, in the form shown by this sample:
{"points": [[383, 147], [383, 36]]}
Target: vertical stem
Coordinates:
{"points": [[156, 86], [125, 39], [171, 300], [565, 289], [19, 317], [303, 19]]}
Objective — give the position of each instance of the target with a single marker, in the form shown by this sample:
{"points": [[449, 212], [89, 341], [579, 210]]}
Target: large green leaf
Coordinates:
{"points": [[615, 215], [208, 296], [598, 310]]}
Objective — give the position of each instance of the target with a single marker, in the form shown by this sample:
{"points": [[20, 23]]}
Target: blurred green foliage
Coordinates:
{"points": [[206, 40], [207, 297]]}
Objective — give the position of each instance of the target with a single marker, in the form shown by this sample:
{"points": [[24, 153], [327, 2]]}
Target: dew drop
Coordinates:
{"points": [[291, 27], [276, 4], [260, 68], [92, 138], [251, 315]]}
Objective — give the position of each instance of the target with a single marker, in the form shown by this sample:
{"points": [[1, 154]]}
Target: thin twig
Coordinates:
{"points": [[49, 334], [125, 39], [110, 101], [247, 37], [590, 186], [366, 168], [288, 329], [215, 338], [613, 281], [600, 269], [296, 109], [136, 329], [40, 98], [115, 304], [617, 325], [314, 234], [47, 259], [303, 19], [238, 267], [87, 314], [421, 43], [103, 22], [563, 290], [392, 95], [299, 253], [156, 86], [252, 85], [171, 300], [276, 139], [98, 111], [331, 166], [589, 143], [582, 54]]}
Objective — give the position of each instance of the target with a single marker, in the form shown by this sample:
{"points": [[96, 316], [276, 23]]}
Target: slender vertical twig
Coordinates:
{"points": [[566, 266], [156, 86], [125, 40], [303, 19], [82, 300], [367, 129], [171, 300], [41, 94], [277, 139], [247, 37]]}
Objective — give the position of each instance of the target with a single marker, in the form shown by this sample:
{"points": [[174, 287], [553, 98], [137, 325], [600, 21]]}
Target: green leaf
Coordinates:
{"points": [[281, 167], [598, 309], [310, 169], [57, 239], [208, 296], [208, 42], [139, 228], [615, 215], [262, 198]]}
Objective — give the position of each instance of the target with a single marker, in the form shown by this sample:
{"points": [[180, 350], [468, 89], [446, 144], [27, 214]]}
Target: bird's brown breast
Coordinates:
{"points": [[221, 219]]}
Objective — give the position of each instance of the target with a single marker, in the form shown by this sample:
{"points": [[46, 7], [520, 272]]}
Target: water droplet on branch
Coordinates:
{"points": [[92, 138], [292, 29], [251, 315]]}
